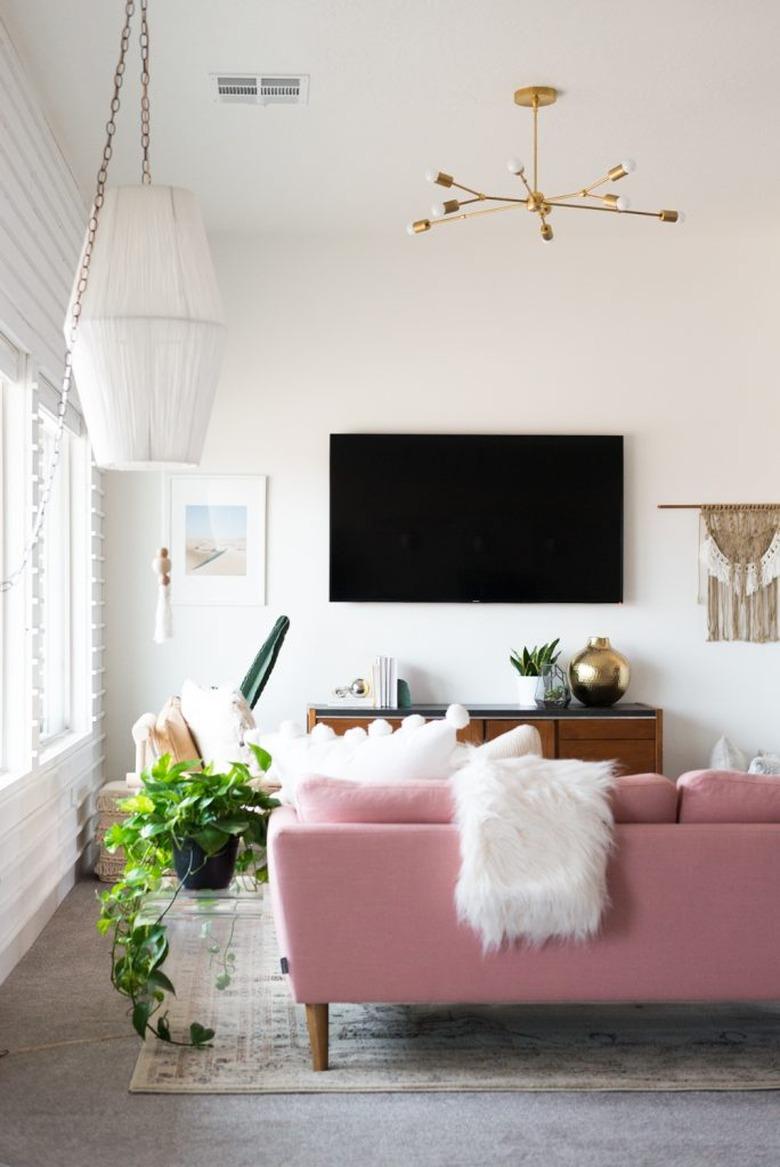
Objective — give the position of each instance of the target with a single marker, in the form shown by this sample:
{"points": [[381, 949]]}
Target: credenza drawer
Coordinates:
{"points": [[634, 757], [626, 728]]}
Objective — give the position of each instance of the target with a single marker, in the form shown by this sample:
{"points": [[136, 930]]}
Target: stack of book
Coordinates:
{"points": [[384, 682]]}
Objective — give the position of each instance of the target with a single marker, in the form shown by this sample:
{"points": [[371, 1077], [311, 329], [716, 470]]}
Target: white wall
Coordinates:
{"points": [[665, 334]]}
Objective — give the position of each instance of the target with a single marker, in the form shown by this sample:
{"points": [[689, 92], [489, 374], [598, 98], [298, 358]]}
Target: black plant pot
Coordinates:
{"points": [[199, 872]]}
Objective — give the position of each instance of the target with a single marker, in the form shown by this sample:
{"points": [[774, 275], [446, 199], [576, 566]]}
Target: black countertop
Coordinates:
{"points": [[507, 711]]}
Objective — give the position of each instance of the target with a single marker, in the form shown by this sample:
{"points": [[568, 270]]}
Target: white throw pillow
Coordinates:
{"points": [[418, 750], [219, 720], [515, 743], [765, 764], [726, 756]]}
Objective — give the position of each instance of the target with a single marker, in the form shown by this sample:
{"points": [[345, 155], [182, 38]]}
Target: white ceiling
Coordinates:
{"points": [[687, 87]]}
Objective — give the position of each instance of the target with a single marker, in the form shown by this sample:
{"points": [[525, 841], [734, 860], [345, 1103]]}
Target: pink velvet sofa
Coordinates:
{"points": [[362, 883]]}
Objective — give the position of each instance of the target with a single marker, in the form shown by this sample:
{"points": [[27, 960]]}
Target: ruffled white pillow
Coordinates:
{"points": [[418, 750]]}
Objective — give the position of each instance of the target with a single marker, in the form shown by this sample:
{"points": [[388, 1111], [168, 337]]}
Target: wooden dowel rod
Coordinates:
{"points": [[718, 507]]}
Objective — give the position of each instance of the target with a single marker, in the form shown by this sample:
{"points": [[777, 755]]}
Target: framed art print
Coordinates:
{"points": [[217, 539]]}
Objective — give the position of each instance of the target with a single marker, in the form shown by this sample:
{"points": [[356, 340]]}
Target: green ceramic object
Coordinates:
{"points": [[262, 666]]}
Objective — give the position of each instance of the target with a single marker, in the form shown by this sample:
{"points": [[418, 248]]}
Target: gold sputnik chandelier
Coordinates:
{"points": [[586, 198]]}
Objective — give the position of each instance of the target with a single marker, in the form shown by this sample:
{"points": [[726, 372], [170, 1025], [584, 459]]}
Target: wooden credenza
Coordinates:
{"points": [[630, 733]]}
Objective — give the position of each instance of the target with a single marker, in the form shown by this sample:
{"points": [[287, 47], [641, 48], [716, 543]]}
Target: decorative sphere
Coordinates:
{"points": [[599, 675]]}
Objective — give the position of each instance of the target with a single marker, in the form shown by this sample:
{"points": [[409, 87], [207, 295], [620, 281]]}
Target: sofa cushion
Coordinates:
{"points": [[337, 800], [644, 798], [728, 796], [638, 798]]}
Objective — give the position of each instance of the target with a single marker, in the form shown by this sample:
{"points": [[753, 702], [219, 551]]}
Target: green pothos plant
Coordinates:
{"points": [[178, 804]]}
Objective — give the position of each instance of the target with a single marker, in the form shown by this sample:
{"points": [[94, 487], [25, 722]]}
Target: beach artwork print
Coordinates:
{"points": [[215, 540]]}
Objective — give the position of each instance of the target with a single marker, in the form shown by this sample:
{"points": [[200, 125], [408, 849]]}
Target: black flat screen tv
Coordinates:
{"points": [[476, 518]]}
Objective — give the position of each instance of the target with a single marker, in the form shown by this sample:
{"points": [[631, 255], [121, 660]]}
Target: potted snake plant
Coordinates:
{"points": [[528, 666]]}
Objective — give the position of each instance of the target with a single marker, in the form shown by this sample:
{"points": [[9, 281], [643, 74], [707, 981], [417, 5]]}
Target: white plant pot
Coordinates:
{"points": [[526, 691]]}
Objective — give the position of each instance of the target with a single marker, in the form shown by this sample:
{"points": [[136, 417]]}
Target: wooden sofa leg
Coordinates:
{"points": [[317, 1021]]}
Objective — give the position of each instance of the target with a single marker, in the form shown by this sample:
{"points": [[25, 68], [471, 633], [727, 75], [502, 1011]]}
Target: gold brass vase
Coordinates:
{"points": [[599, 675]]}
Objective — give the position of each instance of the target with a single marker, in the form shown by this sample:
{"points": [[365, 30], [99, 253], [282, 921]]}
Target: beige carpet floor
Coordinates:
{"points": [[261, 1044]]}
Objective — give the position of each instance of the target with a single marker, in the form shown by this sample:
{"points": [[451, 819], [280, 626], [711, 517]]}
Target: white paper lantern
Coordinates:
{"points": [[149, 343]]}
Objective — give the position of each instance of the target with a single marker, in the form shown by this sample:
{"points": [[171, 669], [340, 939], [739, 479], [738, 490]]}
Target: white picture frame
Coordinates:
{"points": [[217, 535]]}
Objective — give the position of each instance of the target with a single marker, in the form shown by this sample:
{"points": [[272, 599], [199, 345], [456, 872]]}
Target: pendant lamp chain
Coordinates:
{"points": [[86, 259], [146, 172]]}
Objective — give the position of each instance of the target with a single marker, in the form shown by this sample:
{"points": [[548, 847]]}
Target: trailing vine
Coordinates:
{"points": [[178, 805]]}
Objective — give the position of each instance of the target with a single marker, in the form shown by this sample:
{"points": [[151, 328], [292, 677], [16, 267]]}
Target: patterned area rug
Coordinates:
{"points": [[262, 1046]]}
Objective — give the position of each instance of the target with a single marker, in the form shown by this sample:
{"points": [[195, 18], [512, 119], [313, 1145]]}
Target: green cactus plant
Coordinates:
{"points": [[262, 666]]}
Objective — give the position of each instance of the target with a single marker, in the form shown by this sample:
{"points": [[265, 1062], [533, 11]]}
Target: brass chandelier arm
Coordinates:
{"points": [[468, 189], [482, 197], [507, 206], [525, 184], [606, 210], [583, 192], [486, 198]]}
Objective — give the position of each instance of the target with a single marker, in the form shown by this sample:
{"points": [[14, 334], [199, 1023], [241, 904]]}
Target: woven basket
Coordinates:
{"points": [[109, 867]]}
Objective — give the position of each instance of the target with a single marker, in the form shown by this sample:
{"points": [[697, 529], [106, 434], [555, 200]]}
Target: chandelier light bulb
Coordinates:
{"points": [[439, 177], [431, 174], [439, 210], [622, 203], [627, 166], [515, 166]]}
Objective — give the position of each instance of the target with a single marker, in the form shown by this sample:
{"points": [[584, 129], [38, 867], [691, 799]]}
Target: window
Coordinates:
{"points": [[55, 592], [46, 629]]}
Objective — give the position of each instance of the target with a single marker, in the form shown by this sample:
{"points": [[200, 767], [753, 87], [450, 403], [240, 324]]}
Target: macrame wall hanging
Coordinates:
{"points": [[739, 556]]}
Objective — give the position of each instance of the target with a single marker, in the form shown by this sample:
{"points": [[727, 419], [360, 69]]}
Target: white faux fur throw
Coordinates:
{"points": [[534, 840]]}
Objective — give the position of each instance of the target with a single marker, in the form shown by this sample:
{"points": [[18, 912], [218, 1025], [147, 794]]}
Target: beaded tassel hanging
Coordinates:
{"points": [[163, 621], [740, 551]]}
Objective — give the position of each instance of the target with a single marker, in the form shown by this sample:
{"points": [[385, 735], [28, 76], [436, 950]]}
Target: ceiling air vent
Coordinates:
{"points": [[261, 88]]}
